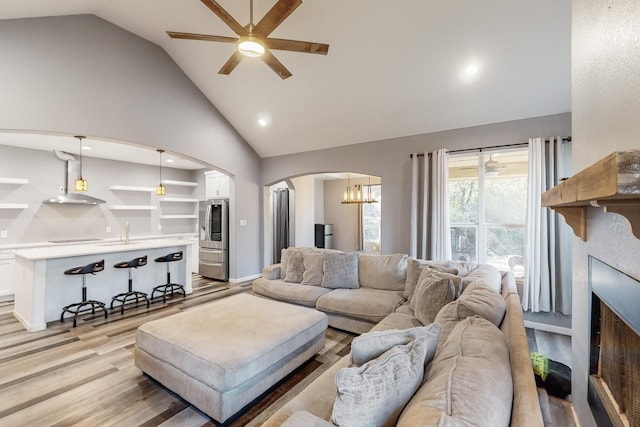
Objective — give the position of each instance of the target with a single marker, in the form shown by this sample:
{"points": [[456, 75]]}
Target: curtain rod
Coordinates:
{"points": [[481, 149]]}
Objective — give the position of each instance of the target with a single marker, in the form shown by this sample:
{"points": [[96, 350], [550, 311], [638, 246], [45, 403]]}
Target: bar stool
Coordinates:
{"points": [[131, 294], [169, 288], [75, 308]]}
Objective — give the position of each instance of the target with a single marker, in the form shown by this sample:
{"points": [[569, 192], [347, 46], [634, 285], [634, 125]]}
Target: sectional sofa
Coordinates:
{"points": [[456, 327]]}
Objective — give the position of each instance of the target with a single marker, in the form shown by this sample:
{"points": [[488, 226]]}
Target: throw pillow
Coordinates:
{"points": [[375, 393], [370, 345], [434, 291], [312, 269], [340, 271], [415, 267], [295, 267]]}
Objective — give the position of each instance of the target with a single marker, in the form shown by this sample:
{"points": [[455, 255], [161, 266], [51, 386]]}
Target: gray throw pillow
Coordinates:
{"points": [[312, 269], [434, 291], [370, 345], [375, 393], [340, 271], [295, 267]]}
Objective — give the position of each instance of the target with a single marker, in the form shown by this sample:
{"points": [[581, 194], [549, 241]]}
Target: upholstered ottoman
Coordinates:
{"points": [[223, 355]]}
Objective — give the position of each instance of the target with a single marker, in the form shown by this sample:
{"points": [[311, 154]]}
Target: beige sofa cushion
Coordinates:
{"points": [[475, 300], [312, 268], [434, 291], [295, 293], [467, 383], [372, 344], [382, 271], [362, 303], [295, 267], [340, 271], [305, 419], [486, 275], [374, 394]]}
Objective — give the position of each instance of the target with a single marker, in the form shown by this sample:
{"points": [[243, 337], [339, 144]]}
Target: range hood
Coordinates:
{"points": [[72, 171]]}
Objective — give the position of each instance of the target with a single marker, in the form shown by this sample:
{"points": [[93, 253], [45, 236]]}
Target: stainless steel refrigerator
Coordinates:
{"points": [[214, 239], [324, 236]]}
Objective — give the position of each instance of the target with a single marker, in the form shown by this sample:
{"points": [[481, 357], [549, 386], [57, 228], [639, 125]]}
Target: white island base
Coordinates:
{"points": [[42, 289]]}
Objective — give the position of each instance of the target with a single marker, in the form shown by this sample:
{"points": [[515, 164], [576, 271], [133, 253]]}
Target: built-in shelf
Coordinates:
{"points": [[19, 181], [130, 188], [178, 200], [178, 216], [13, 205], [132, 207], [612, 183], [182, 183]]}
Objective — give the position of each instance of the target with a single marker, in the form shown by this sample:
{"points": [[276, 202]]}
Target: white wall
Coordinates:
{"points": [[606, 107], [304, 210], [82, 75]]}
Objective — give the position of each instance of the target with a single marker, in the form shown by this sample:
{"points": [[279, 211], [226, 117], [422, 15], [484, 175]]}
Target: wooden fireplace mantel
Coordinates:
{"points": [[612, 183]]}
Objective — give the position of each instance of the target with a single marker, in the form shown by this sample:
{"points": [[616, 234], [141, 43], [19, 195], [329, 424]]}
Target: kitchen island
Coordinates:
{"points": [[42, 289]]}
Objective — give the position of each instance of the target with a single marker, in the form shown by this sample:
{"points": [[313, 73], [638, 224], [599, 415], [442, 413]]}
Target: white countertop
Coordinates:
{"points": [[99, 247], [10, 247]]}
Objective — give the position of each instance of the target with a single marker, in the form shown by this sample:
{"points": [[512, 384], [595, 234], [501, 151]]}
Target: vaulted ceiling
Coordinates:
{"points": [[393, 68]]}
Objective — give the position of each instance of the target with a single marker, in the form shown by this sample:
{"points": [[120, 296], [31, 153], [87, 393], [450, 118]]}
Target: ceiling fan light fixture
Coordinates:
{"points": [[251, 47]]}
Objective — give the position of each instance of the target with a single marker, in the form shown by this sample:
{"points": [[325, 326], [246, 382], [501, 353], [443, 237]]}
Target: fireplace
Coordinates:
{"points": [[614, 380]]}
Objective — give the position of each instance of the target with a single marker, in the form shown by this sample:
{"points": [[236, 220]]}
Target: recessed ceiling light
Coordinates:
{"points": [[472, 70], [264, 119], [169, 160], [85, 148]]}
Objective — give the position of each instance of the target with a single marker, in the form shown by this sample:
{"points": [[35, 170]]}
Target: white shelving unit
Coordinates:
{"points": [[18, 181], [181, 183], [133, 207], [178, 200], [178, 216], [130, 188], [13, 181]]}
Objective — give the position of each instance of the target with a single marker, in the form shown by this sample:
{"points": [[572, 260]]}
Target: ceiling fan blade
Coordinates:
{"points": [[226, 18], [275, 65], [297, 46], [204, 37], [275, 16], [231, 63]]}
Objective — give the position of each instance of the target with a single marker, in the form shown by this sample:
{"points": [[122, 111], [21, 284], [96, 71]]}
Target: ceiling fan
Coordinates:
{"points": [[493, 166], [254, 40]]}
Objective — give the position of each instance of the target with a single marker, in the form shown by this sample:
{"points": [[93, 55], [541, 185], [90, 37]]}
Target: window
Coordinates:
{"points": [[371, 219], [487, 205]]}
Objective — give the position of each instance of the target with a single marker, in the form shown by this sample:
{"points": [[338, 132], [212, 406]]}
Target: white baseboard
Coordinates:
{"points": [[548, 328], [244, 279]]}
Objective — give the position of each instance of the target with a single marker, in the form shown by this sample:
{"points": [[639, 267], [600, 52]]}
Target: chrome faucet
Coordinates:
{"points": [[127, 230]]}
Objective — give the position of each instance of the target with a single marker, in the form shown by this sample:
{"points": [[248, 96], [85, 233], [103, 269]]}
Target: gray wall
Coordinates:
{"points": [[389, 160], [82, 75], [606, 106], [46, 173]]}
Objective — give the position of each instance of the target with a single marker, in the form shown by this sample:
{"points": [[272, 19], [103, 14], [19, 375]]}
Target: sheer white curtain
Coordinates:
{"points": [[440, 224], [430, 234], [543, 289]]}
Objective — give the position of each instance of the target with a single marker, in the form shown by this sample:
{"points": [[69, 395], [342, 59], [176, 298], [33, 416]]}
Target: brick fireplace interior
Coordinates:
{"points": [[614, 380]]}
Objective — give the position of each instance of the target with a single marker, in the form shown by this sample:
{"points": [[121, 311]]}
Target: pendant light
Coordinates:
{"points": [[161, 190], [81, 184], [355, 194]]}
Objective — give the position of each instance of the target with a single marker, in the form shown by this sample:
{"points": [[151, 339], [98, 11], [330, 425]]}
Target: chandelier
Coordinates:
{"points": [[355, 194]]}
